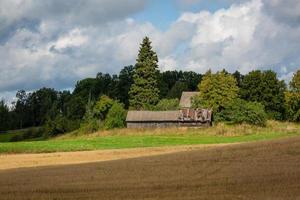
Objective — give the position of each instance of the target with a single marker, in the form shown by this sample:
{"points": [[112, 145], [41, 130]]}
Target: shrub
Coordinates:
{"points": [[115, 117], [60, 125], [102, 106], [30, 133], [167, 104], [90, 126], [16, 138], [33, 133], [241, 111]]}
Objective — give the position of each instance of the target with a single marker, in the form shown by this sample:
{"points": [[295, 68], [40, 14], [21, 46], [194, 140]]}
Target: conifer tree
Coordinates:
{"points": [[144, 92]]}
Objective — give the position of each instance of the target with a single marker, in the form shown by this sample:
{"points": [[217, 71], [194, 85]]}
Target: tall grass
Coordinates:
{"points": [[220, 129], [132, 138]]}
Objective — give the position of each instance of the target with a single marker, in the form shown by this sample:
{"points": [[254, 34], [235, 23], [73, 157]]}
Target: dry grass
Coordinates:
{"points": [[262, 170], [218, 129], [137, 138]]}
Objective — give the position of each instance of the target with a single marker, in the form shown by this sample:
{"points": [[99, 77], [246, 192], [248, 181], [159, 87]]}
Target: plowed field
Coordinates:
{"points": [[261, 170]]}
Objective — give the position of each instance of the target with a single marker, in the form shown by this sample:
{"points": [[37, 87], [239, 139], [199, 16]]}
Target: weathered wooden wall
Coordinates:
{"points": [[151, 124], [166, 124]]}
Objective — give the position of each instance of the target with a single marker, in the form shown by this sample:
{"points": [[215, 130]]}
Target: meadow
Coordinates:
{"points": [[133, 138]]}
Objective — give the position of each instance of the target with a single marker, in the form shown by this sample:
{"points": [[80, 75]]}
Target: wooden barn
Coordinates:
{"points": [[145, 119], [185, 117]]}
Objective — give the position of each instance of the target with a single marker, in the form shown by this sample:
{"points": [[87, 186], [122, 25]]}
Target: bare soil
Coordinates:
{"points": [[261, 170], [11, 161]]}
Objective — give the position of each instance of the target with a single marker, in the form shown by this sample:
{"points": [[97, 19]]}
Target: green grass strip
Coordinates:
{"points": [[119, 142]]}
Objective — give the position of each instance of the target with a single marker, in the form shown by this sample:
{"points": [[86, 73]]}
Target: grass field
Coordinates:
{"points": [[259, 170], [127, 138]]}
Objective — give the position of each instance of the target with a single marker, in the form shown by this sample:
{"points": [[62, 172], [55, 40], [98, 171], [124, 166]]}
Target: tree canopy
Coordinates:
{"points": [[216, 91], [144, 91], [292, 99], [264, 87], [143, 86]]}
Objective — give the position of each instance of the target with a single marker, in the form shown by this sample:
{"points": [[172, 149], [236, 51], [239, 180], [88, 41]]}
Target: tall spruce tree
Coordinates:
{"points": [[144, 92]]}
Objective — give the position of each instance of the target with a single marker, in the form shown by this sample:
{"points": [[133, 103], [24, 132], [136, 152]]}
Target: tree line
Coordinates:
{"points": [[96, 102]]}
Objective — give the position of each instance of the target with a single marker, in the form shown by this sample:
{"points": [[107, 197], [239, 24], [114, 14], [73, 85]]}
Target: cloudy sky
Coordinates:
{"points": [[54, 43]]}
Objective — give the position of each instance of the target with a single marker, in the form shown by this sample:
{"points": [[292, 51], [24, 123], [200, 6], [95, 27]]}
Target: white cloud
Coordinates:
{"points": [[73, 39], [243, 37], [65, 45]]}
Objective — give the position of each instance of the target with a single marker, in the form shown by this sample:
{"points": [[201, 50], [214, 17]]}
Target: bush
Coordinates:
{"points": [[241, 111], [90, 126], [28, 134], [115, 117], [60, 125], [33, 133], [167, 104]]}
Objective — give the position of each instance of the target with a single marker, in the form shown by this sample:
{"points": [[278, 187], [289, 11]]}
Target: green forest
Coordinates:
{"points": [[101, 102]]}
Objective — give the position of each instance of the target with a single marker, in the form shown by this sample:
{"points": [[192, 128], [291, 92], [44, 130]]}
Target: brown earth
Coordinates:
{"points": [[11, 161], [262, 170]]}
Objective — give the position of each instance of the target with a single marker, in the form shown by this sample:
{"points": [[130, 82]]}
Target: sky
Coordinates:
{"points": [[55, 43]]}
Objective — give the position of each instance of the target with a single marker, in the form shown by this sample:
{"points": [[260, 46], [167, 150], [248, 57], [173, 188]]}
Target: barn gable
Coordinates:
{"points": [[186, 99]]}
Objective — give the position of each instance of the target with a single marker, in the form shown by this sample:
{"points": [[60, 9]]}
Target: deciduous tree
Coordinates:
{"points": [[264, 87], [216, 91], [292, 99]]}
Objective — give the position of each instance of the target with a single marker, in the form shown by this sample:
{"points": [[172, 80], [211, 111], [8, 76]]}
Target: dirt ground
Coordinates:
{"points": [[262, 170], [11, 161]]}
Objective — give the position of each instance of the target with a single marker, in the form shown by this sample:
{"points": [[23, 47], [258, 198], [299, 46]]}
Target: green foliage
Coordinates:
{"points": [[32, 133], [167, 104], [177, 90], [238, 77], [216, 91], [292, 99], [104, 114], [144, 91], [264, 87], [241, 111], [91, 121], [141, 87], [76, 108], [90, 126], [118, 139], [60, 125], [295, 82], [116, 116], [4, 116], [28, 134], [22, 110], [123, 86], [42, 101], [168, 79], [102, 107], [292, 104]]}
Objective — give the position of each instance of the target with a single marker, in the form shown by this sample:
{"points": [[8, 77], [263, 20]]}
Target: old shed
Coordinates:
{"points": [[185, 116], [139, 119]]}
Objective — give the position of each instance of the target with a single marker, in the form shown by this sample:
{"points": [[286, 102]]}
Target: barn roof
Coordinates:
{"points": [[185, 100], [154, 116]]}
